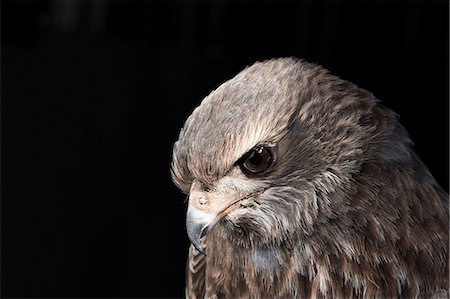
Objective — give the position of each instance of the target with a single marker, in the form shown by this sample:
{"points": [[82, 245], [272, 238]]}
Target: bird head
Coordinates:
{"points": [[270, 154]]}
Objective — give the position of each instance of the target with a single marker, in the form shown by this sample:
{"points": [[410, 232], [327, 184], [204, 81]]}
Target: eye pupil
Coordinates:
{"points": [[258, 160], [255, 158]]}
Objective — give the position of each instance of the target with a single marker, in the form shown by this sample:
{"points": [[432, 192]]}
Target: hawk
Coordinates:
{"points": [[302, 185]]}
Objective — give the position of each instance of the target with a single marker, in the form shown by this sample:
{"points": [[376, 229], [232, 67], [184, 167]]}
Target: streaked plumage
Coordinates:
{"points": [[346, 208]]}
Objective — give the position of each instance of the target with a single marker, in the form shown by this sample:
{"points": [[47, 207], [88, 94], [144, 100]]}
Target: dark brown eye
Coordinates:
{"points": [[257, 160]]}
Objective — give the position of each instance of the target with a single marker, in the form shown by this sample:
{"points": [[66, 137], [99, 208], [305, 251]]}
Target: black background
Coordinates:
{"points": [[94, 95]]}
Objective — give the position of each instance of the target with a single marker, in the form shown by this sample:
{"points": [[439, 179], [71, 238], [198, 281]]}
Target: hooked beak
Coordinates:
{"points": [[204, 212], [198, 223]]}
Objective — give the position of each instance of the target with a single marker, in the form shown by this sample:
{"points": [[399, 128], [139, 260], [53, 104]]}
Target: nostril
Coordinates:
{"points": [[198, 198], [202, 200]]}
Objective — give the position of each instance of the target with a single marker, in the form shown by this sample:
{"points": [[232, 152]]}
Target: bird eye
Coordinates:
{"points": [[258, 160]]}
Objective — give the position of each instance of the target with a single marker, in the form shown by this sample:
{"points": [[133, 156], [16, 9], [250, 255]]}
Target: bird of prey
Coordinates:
{"points": [[302, 185]]}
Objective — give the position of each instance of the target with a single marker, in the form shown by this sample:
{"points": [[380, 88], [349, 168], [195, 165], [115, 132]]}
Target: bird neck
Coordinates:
{"points": [[312, 267]]}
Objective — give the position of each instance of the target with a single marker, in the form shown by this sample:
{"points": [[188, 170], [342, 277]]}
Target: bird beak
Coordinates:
{"points": [[203, 212], [198, 223]]}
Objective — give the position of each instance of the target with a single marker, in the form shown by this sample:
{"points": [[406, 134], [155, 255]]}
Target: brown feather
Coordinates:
{"points": [[195, 274], [347, 211]]}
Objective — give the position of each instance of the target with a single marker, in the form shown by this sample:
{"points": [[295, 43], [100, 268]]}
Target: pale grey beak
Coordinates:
{"points": [[198, 223], [204, 212]]}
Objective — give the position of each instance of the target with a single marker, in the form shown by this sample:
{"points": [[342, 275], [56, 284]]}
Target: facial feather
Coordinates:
{"points": [[219, 132]]}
